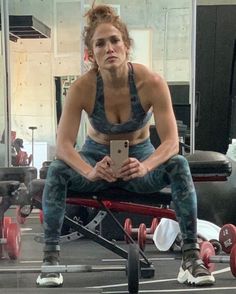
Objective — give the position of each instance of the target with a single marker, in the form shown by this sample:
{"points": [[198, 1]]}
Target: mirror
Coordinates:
{"points": [[57, 52]]}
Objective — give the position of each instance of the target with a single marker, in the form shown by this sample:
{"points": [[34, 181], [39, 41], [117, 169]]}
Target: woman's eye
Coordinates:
{"points": [[115, 41], [99, 44]]}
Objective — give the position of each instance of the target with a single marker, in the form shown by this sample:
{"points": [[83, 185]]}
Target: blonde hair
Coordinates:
{"points": [[103, 14]]}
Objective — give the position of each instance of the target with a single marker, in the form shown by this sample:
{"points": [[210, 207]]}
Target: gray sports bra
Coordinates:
{"points": [[138, 119]]}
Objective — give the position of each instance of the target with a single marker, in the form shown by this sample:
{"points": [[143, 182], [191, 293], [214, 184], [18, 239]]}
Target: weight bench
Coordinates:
{"points": [[204, 165]]}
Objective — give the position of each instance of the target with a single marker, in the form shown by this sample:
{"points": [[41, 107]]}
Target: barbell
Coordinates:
{"points": [[61, 269], [207, 254]]}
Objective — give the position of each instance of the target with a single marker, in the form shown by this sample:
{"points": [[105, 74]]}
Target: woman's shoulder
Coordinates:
{"points": [[85, 82], [82, 91], [86, 79], [147, 76]]}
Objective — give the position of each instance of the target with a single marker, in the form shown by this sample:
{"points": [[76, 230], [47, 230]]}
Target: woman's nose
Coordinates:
{"points": [[109, 47]]}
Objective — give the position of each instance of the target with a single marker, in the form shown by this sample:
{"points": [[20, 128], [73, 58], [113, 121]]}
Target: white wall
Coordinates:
{"points": [[35, 63]]}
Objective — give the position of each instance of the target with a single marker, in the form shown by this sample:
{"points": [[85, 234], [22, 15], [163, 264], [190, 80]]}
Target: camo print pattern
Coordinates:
{"points": [[174, 173], [138, 119]]}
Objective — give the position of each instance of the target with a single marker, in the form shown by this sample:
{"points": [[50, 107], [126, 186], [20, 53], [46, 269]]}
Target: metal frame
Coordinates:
{"points": [[192, 83], [6, 79]]}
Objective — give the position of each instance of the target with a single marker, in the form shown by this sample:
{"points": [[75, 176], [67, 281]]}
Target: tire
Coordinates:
{"points": [[133, 269]]}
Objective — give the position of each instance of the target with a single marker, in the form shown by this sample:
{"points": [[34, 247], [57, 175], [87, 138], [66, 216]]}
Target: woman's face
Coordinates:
{"points": [[109, 50]]}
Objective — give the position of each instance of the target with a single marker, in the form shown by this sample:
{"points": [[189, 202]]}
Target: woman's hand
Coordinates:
{"points": [[132, 168], [102, 171]]}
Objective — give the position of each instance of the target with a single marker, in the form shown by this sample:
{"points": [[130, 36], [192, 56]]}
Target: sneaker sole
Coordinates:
{"points": [[186, 277]]}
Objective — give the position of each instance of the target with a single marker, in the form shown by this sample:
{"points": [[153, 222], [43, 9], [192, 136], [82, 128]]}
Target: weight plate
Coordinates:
{"points": [[227, 237], [217, 246], [7, 220], [41, 216], [142, 234], [128, 229], [154, 224], [13, 240], [233, 260], [206, 251], [20, 219]]}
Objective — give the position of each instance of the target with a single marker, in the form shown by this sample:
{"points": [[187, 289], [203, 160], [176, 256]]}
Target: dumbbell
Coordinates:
{"points": [[207, 254], [145, 234], [135, 231], [227, 237]]}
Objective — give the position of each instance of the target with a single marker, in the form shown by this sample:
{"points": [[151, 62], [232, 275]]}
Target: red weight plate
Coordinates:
{"points": [[233, 260], [41, 216], [13, 240], [128, 229], [154, 224], [1, 236], [206, 252], [227, 237], [7, 220], [142, 236], [20, 219]]}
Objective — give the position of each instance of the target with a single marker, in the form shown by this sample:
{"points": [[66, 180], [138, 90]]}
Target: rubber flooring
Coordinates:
{"points": [[83, 251]]}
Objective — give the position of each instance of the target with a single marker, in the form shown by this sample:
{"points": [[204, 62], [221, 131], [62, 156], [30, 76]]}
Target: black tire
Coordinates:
{"points": [[133, 269]]}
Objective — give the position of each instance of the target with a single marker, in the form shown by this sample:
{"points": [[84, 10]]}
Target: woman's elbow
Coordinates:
{"points": [[175, 146]]}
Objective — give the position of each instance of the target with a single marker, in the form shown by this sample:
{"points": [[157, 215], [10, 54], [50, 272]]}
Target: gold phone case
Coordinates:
{"points": [[119, 152]]}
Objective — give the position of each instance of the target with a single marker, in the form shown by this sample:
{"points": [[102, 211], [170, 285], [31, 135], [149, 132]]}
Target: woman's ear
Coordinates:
{"points": [[90, 56]]}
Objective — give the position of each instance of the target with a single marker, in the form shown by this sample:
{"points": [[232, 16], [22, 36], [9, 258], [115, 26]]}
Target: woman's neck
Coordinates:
{"points": [[117, 78]]}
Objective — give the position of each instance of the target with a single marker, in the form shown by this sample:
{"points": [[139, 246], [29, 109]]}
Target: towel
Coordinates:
{"points": [[167, 231]]}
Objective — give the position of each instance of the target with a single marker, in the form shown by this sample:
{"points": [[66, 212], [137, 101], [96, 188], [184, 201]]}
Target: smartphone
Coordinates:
{"points": [[119, 152]]}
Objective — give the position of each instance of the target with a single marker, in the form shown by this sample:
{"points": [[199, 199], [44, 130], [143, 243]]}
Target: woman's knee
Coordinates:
{"points": [[178, 162], [58, 170]]}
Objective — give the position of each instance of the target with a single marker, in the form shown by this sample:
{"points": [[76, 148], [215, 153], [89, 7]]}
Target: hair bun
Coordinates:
{"points": [[100, 13]]}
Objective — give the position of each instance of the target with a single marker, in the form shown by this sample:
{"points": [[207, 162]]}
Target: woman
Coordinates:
{"points": [[119, 98]]}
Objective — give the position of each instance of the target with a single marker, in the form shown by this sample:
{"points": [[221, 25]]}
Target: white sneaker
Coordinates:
{"points": [[50, 280]]}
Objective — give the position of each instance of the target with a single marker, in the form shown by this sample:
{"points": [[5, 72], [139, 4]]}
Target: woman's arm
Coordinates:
{"points": [[165, 123], [67, 132], [68, 129], [154, 93]]}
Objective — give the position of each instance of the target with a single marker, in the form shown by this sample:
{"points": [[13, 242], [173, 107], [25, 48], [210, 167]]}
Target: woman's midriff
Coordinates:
{"points": [[133, 137]]}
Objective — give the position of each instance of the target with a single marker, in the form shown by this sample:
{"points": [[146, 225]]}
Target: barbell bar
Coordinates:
{"points": [[61, 269]]}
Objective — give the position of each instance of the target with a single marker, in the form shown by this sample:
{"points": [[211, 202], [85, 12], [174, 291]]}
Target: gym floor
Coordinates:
{"points": [[82, 251]]}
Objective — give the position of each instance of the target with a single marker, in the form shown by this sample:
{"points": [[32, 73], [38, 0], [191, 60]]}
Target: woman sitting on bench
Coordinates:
{"points": [[119, 98]]}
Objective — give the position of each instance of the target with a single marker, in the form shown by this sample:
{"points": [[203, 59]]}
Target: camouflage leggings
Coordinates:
{"points": [[175, 172]]}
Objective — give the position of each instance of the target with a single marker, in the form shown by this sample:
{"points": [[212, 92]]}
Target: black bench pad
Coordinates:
{"points": [[17, 173], [209, 163], [8, 187]]}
